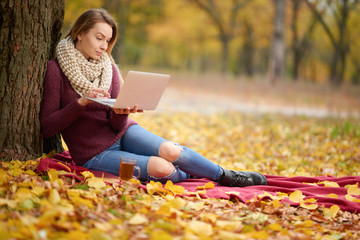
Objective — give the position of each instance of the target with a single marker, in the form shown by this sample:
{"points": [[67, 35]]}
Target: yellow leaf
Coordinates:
{"points": [[138, 219], [73, 193], [78, 201], [228, 225], [177, 203], [274, 227], [150, 188], [169, 184], [87, 174], [22, 194], [96, 234], [332, 195], [76, 235], [196, 205], [296, 196], [209, 217], [332, 211], [280, 196], [310, 200], [351, 198], [96, 183], [306, 231], [259, 235], [6, 202], [160, 235], [38, 191], [15, 172], [3, 177], [276, 203], [353, 190], [52, 173], [199, 228], [165, 209], [155, 187], [265, 194], [207, 185], [330, 184], [306, 224], [30, 172], [230, 235], [175, 189], [54, 196], [308, 206]]}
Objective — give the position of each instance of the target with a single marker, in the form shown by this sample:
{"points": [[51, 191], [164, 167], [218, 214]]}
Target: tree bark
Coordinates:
{"points": [[225, 28], [277, 51], [29, 33], [340, 39], [300, 44]]}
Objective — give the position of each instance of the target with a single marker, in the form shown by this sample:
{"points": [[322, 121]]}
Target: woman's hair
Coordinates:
{"points": [[88, 19]]}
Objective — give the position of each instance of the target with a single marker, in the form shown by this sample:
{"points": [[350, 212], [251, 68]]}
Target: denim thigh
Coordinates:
{"points": [[140, 141], [137, 143]]}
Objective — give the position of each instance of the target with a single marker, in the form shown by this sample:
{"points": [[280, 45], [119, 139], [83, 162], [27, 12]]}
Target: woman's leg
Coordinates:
{"points": [[109, 161], [196, 165], [140, 141]]}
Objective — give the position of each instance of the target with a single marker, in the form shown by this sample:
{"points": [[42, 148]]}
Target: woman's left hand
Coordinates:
{"points": [[127, 110]]}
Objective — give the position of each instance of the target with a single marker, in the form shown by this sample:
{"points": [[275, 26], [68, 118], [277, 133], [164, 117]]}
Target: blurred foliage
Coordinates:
{"points": [[178, 34]]}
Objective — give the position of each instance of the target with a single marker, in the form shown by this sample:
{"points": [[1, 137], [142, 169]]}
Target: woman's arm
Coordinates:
{"points": [[118, 120], [54, 118]]}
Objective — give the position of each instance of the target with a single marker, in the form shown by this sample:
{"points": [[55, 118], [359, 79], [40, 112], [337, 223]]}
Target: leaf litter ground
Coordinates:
{"points": [[52, 206]]}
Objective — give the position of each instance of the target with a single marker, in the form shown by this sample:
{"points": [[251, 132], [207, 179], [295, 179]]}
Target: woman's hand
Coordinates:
{"points": [[127, 110], [93, 93]]}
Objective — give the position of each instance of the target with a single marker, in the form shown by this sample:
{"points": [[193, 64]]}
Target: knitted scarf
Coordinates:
{"points": [[83, 75]]}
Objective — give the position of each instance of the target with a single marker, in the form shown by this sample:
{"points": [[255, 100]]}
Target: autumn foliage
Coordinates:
{"points": [[51, 206]]}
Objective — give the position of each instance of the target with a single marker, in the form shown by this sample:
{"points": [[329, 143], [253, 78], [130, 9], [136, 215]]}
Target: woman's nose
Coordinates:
{"points": [[104, 45]]}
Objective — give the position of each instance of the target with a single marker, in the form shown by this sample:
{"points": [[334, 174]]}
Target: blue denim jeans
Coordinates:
{"points": [[140, 144]]}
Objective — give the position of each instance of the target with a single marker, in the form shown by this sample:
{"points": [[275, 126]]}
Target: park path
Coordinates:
{"points": [[180, 100]]}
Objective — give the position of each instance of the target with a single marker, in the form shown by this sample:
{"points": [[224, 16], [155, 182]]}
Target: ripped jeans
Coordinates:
{"points": [[140, 144]]}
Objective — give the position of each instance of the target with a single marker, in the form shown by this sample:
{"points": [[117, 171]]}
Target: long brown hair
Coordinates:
{"points": [[88, 19]]}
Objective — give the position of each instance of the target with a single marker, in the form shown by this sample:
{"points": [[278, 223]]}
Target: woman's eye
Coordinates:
{"points": [[99, 39]]}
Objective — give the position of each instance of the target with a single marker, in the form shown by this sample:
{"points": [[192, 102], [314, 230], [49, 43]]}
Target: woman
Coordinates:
{"points": [[98, 136]]}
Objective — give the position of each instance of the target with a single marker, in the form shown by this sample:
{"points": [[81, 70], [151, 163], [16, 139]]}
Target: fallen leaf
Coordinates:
{"points": [[138, 219], [332, 211], [296, 196], [97, 183]]}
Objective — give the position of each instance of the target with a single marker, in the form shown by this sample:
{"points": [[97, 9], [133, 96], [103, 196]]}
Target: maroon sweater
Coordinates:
{"points": [[87, 130]]}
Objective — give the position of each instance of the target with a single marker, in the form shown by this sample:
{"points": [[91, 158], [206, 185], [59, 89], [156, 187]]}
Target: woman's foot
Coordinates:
{"points": [[242, 179]]}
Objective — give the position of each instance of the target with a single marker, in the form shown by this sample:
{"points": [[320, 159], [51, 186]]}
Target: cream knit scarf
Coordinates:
{"points": [[83, 74]]}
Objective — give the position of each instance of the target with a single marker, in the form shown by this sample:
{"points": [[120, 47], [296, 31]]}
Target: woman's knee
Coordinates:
{"points": [[170, 151], [159, 167]]}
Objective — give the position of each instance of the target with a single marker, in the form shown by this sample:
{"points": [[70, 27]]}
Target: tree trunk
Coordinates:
{"points": [[300, 44], [249, 49], [29, 33], [277, 51]]}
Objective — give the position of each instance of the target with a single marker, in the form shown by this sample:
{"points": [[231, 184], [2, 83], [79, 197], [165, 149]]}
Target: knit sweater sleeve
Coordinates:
{"points": [[117, 121], [53, 117]]}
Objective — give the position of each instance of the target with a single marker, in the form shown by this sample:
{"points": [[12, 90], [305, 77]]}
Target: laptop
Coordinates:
{"points": [[140, 88]]}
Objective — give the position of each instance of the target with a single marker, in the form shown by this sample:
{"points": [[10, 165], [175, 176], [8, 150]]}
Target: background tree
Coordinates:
{"points": [[300, 44], [29, 33], [225, 22], [277, 50], [132, 18], [339, 36]]}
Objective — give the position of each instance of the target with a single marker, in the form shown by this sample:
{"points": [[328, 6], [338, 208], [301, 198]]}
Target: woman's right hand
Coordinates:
{"points": [[93, 93]]}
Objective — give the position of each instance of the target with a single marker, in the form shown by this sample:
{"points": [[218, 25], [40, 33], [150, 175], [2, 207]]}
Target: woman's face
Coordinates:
{"points": [[93, 43]]}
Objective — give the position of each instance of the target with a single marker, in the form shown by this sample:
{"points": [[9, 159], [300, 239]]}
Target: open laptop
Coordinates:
{"points": [[140, 88]]}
